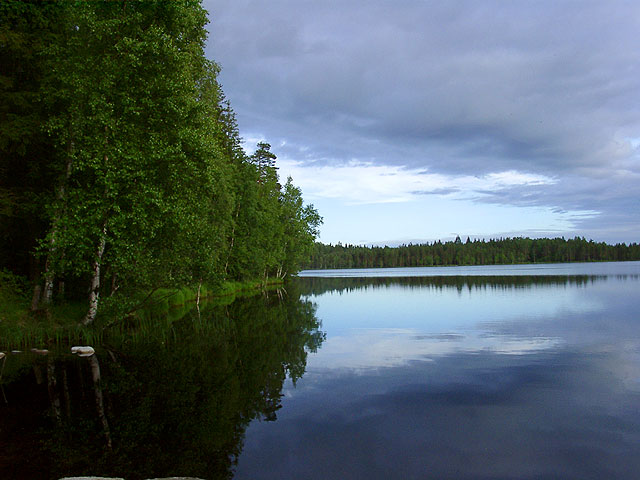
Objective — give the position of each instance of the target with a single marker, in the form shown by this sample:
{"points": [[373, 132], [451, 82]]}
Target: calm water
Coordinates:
{"points": [[489, 372], [455, 373], [174, 394]]}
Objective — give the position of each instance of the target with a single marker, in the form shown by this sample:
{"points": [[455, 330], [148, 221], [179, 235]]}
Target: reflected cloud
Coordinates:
{"points": [[444, 316], [461, 416], [366, 349], [451, 337], [463, 378]]}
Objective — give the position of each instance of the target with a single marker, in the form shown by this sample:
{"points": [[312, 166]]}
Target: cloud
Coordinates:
{"points": [[365, 182], [546, 83], [460, 89]]}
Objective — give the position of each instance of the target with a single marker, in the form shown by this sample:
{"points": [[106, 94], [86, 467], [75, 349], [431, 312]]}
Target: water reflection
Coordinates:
{"points": [[543, 269], [487, 377], [321, 284], [465, 417], [172, 401], [465, 378], [381, 322]]}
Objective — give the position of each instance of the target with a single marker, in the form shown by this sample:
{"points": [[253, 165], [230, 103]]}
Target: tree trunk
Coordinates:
{"points": [[114, 285], [49, 271], [94, 291], [35, 300], [198, 298], [233, 238]]}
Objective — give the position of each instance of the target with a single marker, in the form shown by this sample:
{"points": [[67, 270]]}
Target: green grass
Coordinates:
{"points": [[164, 299], [42, 329], [14, 301], [21, 328], [60, 324], [249, 286]]}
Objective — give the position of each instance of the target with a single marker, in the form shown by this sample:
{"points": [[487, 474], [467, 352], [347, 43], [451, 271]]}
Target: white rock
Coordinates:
{"points": [[85, 351], [92, 478]]}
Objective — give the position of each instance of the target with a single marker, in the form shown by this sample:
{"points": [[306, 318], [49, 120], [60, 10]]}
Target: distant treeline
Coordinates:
{"points": [[472, 252]]}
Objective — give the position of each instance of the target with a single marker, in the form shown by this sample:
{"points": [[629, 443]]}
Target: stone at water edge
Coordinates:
{"points": [[85, 351], [118, 478], [92, 478]]}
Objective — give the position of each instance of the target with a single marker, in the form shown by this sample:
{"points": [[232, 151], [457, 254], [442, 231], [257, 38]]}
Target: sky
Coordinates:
{"points": [[410, 121]]}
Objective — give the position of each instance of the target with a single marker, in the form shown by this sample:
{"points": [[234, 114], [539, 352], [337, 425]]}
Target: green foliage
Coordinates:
{"points": [[273, 230], [478, 252], [13, 287], [27, 172], [20, 328], [301, 225], [122, 166]]}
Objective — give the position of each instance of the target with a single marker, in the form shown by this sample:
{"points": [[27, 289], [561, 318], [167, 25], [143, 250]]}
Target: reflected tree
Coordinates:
{"points": [[319, 285], [177, 402]]}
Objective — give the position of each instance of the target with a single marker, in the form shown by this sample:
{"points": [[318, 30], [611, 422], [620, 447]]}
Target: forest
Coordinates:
{"points": [[477, 252], [121, 164], [122, 169]]}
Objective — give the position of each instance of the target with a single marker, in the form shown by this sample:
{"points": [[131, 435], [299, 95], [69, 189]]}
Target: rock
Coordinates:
{"points": [[92, 478], [85, 351], [118, 478]]}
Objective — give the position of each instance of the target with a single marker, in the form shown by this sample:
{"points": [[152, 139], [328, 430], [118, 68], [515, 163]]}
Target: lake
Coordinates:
{"points": [[501, 372], [463, 373]]}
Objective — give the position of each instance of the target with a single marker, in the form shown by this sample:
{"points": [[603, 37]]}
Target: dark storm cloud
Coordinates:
{"points": [[471, 87]]}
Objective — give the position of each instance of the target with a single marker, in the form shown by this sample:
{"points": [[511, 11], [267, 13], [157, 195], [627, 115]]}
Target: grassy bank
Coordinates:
{"points": [[20, 327], [60, 323], [226, 292]]}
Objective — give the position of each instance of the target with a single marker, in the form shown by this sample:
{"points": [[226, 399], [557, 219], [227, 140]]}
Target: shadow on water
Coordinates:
{"points": [[171, 400]]}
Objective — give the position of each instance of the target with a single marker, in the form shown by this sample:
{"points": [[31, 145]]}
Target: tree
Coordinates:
{"points": [[27, 170], [265, 160], [301, 225], [125, 73], [141, 180]]}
